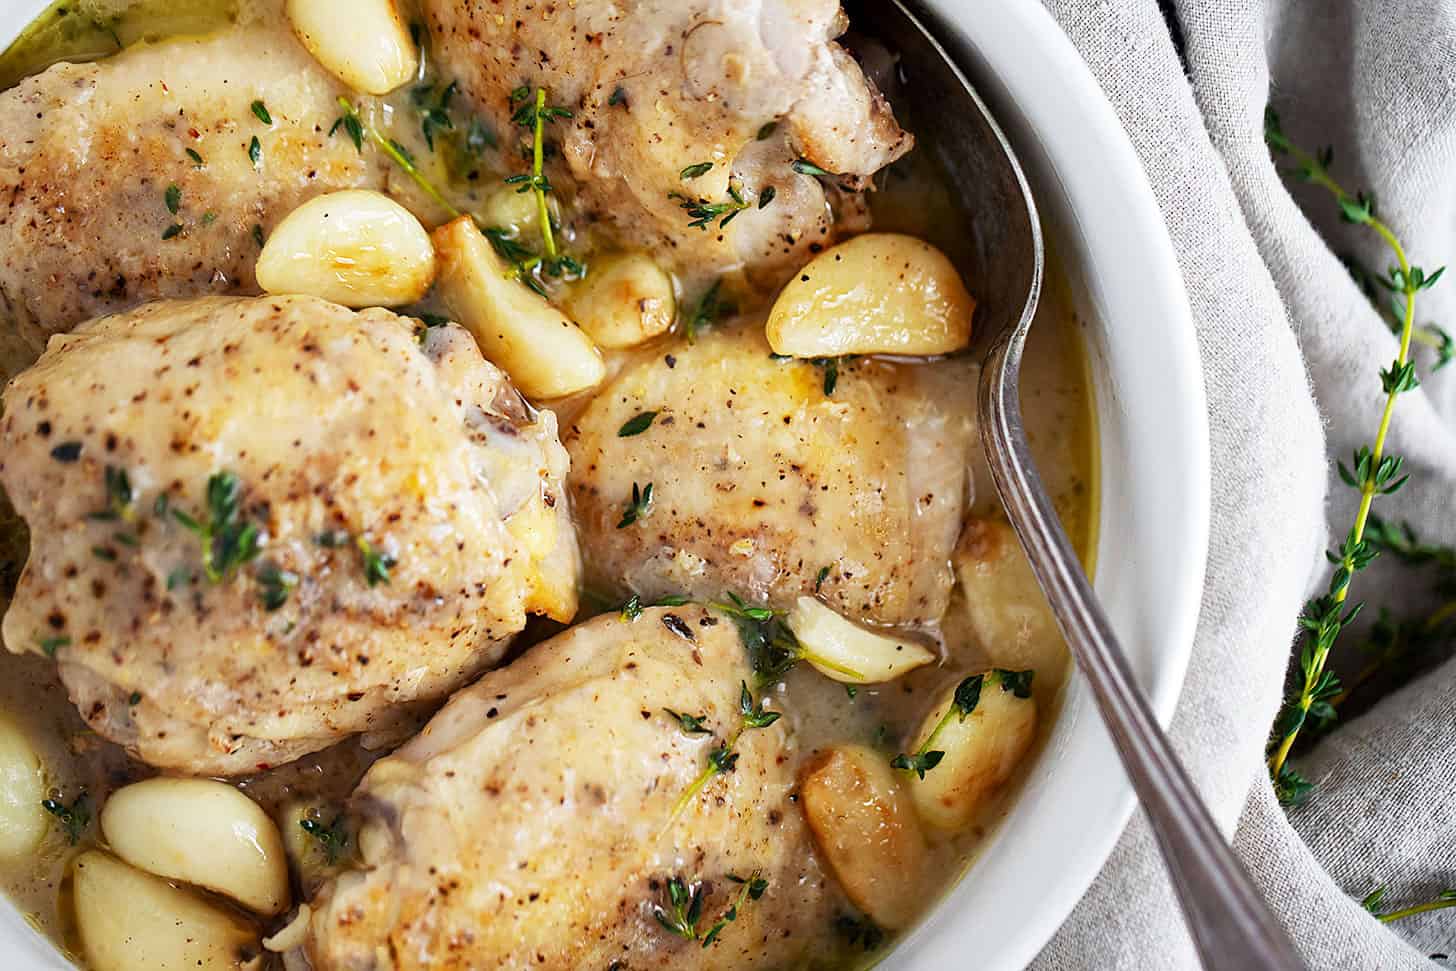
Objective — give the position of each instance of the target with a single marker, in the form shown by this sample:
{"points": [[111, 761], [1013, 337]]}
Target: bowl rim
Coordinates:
{"points": [[1101, 218], [1041, 861]]}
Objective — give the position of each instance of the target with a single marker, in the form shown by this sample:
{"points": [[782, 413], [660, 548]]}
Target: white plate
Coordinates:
{"points": [[1111, 243]]}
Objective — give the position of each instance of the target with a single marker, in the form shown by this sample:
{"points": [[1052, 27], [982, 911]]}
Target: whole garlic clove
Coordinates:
{"points": [[357, 247]]}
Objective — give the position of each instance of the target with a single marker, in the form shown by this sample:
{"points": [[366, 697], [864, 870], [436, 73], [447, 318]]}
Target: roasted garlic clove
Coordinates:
{"points": [[201, 832], [866, 829], [363, 43], [847, 652], [545, 354], [625, 301], [22, 787], [358, 248], [980, 749], [132, 921], [880, 293]]}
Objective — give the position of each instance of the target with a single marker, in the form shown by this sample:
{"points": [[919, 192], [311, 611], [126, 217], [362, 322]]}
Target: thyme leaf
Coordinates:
{"points": [[332, 838], [120, 497], [637, 424], [376, 564], [275, 584], [709, 308], [74, 816], [805, 167], [639, 506], [690, 724], [50, 645]]}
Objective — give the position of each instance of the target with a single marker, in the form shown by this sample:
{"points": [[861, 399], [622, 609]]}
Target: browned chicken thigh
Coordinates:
{"points": [[89, 223], [260, 525], [532, 824], [766, 485], [660, 89]]}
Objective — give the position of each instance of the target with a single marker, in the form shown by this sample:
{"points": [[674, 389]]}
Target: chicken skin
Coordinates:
{"points": [[89, 153], [765, 485], [538, 819], [260, 525], [681, 102]]}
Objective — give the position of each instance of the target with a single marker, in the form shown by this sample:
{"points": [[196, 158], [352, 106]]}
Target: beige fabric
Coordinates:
{"points": [[1289, 343]]}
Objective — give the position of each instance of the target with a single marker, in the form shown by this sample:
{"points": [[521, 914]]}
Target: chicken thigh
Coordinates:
{"points": [[770, 480], [531, 824], [259, 525], [661, 88], [89, 223]]}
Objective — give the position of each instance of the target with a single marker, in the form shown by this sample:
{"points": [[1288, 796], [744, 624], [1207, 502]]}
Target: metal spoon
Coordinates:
{"points": [[1231, 925]]}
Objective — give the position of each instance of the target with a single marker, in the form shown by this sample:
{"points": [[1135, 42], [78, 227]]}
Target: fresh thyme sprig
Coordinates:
{"points": [[772, 647], [751, 889], [521, 259], [1391, 307], [684, 909], [1396, 646], [358, 129], [228, 541], [723, 759], [702, 213], [1374, 902], [434, 110], [534, 115], [1373, 473]]}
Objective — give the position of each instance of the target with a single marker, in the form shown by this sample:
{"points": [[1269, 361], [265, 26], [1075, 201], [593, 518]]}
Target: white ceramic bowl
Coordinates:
{"points": [[1110, 241]]}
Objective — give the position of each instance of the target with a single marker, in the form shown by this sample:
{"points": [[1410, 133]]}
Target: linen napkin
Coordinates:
{"points": [[1292, 351]]}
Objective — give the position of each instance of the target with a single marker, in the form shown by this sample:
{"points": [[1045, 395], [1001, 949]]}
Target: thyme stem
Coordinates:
{"points": [[1374, 473], [699, 784], [1438, 904], [1367, 489], [390, 148], [548, 237]]}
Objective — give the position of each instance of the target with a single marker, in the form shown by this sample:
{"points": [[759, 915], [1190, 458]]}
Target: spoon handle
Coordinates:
{"points": [[1232, 927]]}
